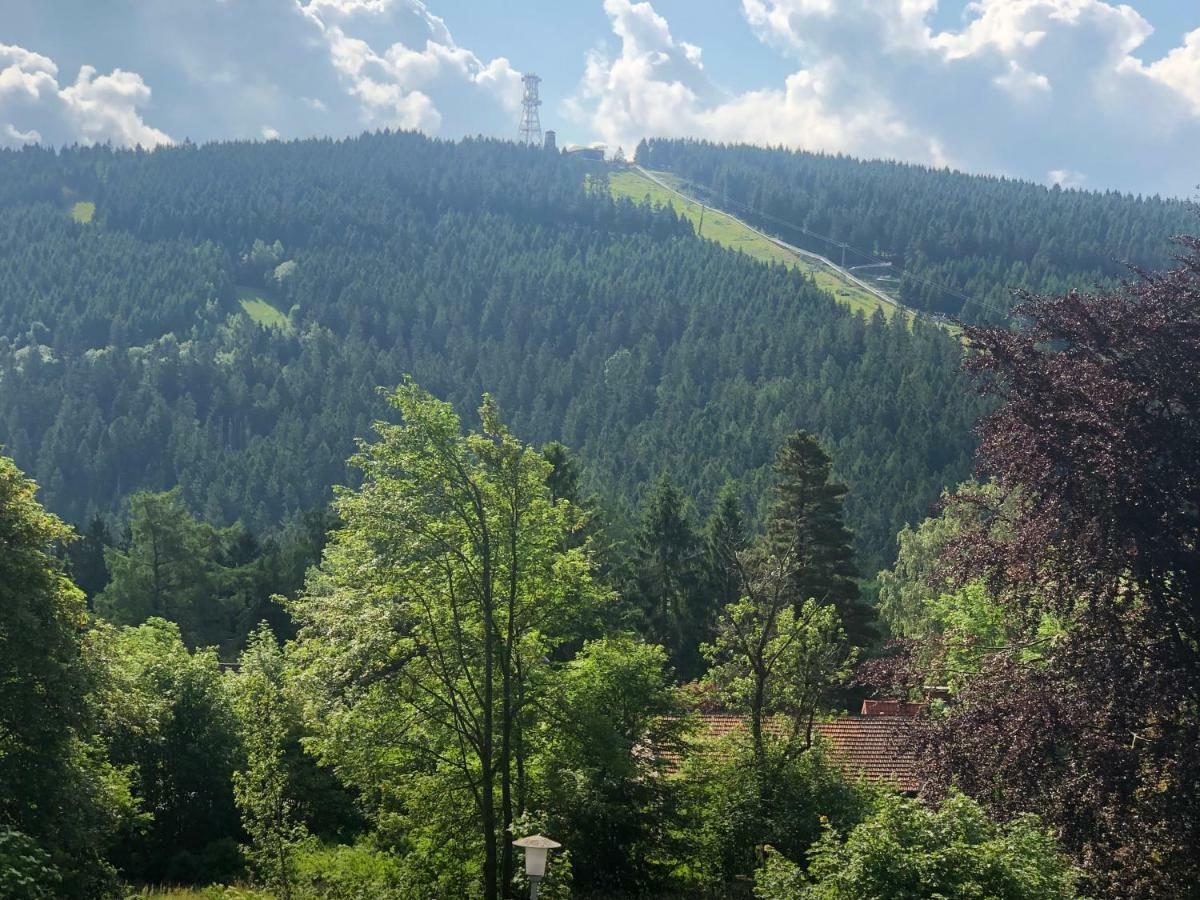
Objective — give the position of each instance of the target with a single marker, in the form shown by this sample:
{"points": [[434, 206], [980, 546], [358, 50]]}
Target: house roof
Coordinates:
{"points": [[876, 746]]}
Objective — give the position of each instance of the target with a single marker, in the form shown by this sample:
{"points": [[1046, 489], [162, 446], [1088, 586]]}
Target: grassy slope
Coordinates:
{"points": [[258, 308], [83, 212], [730, 232]]}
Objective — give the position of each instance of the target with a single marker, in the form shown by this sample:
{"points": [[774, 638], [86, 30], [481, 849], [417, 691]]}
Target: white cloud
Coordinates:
{"points": [[223, 69], [1067, 178], [1020, 83], [1180, 69], [395, 80], [1021, 87], [658, 87], [34, 107]]}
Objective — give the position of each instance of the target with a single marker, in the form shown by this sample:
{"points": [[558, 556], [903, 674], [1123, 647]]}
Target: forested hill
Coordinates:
{"points": [[222, 317], [979, 236]]}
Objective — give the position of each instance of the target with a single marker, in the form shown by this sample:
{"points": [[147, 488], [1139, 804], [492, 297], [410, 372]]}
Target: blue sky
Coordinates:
{"points": [[1087, 93]]}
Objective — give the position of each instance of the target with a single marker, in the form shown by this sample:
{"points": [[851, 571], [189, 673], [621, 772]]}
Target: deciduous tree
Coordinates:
{"points": [[426, 633], [57, 792], [1098, 426], [267, 715]]}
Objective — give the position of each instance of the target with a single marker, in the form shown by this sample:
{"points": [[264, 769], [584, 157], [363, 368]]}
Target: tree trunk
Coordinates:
{"points": [[506, 804], [488, 815], [488, 773]]}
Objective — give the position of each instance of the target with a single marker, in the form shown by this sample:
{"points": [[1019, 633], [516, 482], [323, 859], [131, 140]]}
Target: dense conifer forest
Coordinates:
{"points": [[128, 363], [959, 244]]}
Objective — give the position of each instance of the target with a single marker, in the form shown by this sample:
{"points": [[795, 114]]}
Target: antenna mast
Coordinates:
{"points": [[530, 131]]}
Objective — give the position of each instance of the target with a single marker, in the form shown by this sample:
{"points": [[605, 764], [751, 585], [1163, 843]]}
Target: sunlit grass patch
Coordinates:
{"points": [[258, 308]]}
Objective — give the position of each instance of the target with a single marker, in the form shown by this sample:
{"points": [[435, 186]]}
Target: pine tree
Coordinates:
{"points": [[725, 536], [88, 568], [668, 578], [807, 522]]}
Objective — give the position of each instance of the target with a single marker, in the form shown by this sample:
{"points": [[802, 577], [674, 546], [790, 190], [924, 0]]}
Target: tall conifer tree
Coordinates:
{"points": [[668, 577], [807, 522]]}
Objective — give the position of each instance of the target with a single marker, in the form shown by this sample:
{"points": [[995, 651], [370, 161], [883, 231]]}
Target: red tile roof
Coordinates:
{"points": [[876, 746]]}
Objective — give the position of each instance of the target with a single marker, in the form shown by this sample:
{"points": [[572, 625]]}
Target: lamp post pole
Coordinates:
{"points": [[537, 848]]}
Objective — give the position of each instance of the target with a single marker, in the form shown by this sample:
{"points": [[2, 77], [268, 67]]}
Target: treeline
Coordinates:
{"points": [[979, 236], [128, 364]]}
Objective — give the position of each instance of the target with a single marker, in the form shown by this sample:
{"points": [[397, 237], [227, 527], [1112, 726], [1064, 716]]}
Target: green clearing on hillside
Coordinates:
{"points": [[735, 234], [83, 211], [260, 309]]}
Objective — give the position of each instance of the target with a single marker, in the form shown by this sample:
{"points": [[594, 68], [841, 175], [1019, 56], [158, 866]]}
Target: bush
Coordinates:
{"points": [[342, 872], [729, 816], [907, 851], [25, 869]]}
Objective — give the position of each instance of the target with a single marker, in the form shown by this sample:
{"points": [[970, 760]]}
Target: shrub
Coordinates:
{"points": [[730, 816], [342, 872], [908, 851], [25, 869]]}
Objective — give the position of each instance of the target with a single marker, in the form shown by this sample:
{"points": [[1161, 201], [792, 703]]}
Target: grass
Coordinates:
{"points": [[257, 307], [83, 211], [735, 234]]}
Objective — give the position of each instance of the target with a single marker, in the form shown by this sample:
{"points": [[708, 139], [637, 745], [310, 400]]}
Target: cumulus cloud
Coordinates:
{"points": [[223, 69], [657, 86], [396, 79], [1180, 69], [1022, 87], [36, 108]]}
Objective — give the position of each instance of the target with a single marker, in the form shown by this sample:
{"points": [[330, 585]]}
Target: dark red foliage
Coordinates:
{"points": [[1098, 428], [1098, 425]]}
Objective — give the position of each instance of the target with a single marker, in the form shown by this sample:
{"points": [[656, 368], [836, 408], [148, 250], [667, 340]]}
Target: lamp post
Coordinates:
{"points": [[536, 848]]}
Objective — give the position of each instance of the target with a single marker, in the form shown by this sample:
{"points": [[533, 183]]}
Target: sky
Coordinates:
{"points": [[1082, 93]]}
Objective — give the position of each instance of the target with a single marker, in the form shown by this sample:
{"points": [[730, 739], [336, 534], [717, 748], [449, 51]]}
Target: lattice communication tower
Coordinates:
{"points": [[531, 123]]}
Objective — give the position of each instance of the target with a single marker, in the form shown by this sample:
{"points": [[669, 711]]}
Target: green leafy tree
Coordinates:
{"points": [[451, 573], [775, 662], [26, 872], [724, 821], [60, 802], [908, 591], [604, 764], [907, 851], [806, 526], [166, 719], [266, 715]]}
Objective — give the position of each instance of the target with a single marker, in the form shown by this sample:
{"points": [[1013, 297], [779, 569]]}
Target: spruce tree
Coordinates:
{"points": [[667, 580], [807, 520], [725, 536], [88, 568]]}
